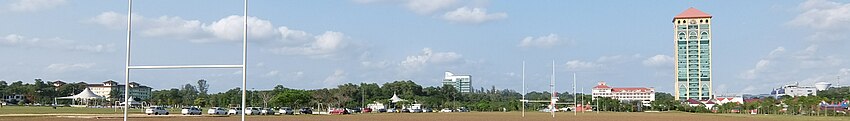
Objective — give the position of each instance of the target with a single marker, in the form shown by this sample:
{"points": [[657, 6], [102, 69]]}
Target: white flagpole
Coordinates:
{"points": [[523, 89], [574, 94]]}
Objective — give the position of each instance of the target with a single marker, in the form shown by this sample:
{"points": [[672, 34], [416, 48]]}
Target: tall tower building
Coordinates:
{"points": [[693, 55]]}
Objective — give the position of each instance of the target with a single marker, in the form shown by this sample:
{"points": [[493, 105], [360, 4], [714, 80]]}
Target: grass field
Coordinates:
{"points": [[109, 115]]}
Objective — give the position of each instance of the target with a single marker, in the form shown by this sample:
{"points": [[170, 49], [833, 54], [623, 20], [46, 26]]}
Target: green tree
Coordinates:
{"points": [[292, 98]]}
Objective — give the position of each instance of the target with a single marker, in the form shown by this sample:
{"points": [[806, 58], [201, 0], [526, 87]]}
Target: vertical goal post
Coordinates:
{"points": [[129, 67]]}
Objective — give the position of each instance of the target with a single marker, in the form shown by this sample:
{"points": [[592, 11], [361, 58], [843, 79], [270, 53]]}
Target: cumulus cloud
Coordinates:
{"points": [[61, 67], [334, 79], [16, 40], [323, 45], [659, 61], [230, 28], [472, 15], [578, 65], [35, 5], [806, 66], [540, 42], [471, 12], [828, 19], [428, 6], [762, 65], [226, 29], [416, 62], [272, 73]]}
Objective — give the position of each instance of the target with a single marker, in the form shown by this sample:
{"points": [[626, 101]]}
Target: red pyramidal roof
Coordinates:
{"points": [[692, 13]]}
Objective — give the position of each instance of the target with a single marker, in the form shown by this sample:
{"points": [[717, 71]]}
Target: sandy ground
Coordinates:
{"points": [[496, 116]]}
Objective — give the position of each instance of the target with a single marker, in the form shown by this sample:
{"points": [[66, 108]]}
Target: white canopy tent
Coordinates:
{"points": [[85, 95], [395, 99]]}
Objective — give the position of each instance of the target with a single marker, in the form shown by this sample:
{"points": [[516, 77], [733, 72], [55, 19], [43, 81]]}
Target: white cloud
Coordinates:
{"points": [[828, 19], [334, 79], [472, 15], [762, 64], [428, 6], [60, 68], [578, 65], [292, 35], [53, 43], [806, 66], [35, 5], [323, 45], [659, 61], [541, 42], [225, 29], [231, 28], [288, 41], [272, 73], [428, 56]]}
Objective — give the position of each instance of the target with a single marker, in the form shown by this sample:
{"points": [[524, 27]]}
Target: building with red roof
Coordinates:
{"points": [[643, 94]]}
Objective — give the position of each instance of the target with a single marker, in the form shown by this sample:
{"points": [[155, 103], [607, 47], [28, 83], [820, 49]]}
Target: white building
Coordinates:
{"points": [[645, 95], [136, 90], [794, 90], [462, 83]]}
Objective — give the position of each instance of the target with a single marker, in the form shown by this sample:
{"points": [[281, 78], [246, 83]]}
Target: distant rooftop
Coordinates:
{"points": [[692, 13]]}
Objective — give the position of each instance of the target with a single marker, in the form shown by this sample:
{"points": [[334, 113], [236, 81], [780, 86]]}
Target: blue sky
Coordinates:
{"points": [[758, 45]]}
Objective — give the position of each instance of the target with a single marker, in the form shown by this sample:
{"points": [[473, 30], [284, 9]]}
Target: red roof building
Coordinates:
{"points": [[642, 94]]}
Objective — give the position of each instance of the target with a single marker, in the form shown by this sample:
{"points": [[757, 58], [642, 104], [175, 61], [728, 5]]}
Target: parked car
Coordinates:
{"points": [[405, 110], [462, 109], [382, 110], [366, 110], [306, 110], [266, 111], [338, 111], [285, 111], [234, 111], [190, 111], [446, 110], [252, 111], [416, 110], [156, 110], [216, 111], [392, 110], [354, 110], [427, 110]]}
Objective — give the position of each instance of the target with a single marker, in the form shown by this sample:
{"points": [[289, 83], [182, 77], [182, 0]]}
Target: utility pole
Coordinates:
{"points": [[523, 89]]}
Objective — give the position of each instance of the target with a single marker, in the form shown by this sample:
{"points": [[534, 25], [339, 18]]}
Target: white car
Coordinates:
{"points": [[446, 110], [216, 111], [190, 111], [266, 111], [234, 111], [252, 111], [285, 111], [156, 110]]}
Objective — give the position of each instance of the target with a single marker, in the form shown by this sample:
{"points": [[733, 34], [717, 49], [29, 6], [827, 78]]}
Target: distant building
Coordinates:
{"points": [[794, 90], [692, 40], [462, 83], [136, 90], [58, 83], [645, 95], [728, 99]]}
